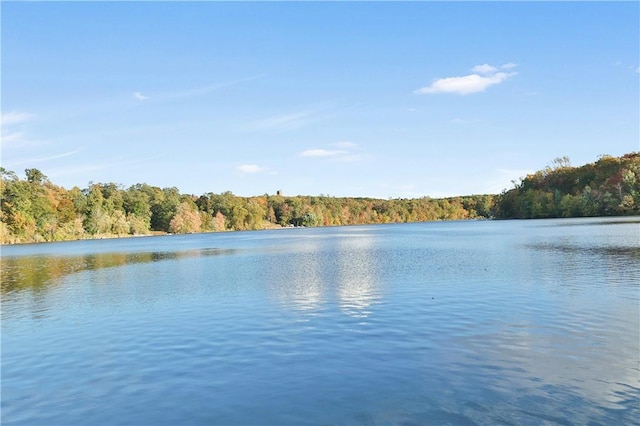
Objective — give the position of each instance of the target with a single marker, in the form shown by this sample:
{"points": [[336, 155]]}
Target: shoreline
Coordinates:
{"points": [[279, 227]]}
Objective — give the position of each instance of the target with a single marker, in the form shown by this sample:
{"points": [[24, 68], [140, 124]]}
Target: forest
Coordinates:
{"points": [[608, 187], [33, 209]]}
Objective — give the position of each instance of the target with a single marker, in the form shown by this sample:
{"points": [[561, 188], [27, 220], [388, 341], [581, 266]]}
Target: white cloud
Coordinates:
{"points": [[322, 153], [484, 76], [464, 85], [484, 69], [508, 65], [344, 155], [139, 96], [15, 118], [250, 169]]}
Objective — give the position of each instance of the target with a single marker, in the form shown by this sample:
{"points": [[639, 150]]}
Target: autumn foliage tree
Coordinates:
{"points": [[186, 219], [35, 210], [610, 186]]}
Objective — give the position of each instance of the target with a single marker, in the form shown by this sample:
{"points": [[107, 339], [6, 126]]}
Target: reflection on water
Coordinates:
{"points": [[38, 272], [357, 275], [319, 269], [298, 280], [627, 253], [590, 221]]}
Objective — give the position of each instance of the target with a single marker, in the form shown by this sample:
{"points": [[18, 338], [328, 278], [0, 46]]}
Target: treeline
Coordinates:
{"points": [[33, 209], [608, 187]]}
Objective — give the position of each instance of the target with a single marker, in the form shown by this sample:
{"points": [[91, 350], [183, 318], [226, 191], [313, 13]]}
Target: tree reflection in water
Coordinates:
{"points": [[37, 273]]}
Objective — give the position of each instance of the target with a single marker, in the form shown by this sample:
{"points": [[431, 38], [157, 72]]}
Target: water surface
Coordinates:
{"points": [[494, 322]]}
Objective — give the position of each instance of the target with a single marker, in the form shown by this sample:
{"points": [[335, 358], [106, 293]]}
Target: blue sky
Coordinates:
{"points": [[402, 99]]}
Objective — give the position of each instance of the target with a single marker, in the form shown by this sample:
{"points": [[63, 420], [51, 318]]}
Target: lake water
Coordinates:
{"points": [[449, 323]]}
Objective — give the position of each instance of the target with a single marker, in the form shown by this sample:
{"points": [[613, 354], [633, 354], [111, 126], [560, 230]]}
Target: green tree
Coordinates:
{"points": [[119, 223], [163, 208], [35, 176]]}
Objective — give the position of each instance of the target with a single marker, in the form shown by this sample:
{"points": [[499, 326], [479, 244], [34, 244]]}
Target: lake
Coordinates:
{"points": [[445, 323]]}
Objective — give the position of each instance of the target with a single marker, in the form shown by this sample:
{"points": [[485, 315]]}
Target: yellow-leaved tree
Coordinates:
{"points": [[186, 220]]}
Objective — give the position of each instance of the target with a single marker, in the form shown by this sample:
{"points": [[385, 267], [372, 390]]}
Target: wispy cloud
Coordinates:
{"points": [[285, 122], [195, 91], [322, 153], [293, 120], [12, 137], [483, 76], [54, 157], [344, 154], [41, 159], [13, 117], [8, 131], [250, 169], [190, 92]]}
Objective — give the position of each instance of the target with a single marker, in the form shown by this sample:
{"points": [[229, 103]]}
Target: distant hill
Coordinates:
{"points": [[608, 187]]}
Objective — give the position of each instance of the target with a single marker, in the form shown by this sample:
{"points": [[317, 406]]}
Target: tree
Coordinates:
{"points": [[607, 187], [136, 204], [219, 222], [163, 208], [186, 220], [562, 162], [120, 225], [98, 221], [35, 176]]}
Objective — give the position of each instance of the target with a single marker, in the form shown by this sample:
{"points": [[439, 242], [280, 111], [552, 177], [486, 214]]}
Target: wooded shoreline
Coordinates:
{"points": [[34, 209]]}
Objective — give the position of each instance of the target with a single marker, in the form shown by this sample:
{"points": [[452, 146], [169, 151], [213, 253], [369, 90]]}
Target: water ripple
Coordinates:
{"points": [[451, 323]]}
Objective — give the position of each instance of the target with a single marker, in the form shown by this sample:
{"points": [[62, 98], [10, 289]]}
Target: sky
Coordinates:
{"points": [[357, 99]]}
